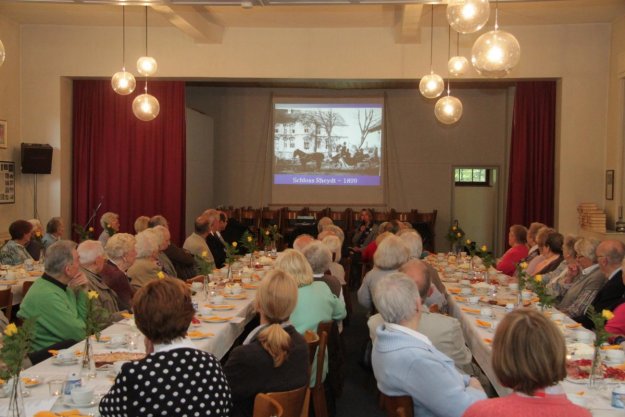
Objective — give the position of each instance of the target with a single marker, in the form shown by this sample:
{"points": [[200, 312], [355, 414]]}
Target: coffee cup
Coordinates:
{"points": [[486, 312], [466, 291], [583, 336], [206, 311], [82, 395], [474, 300], [117, 339], [197, 286], [66, 355], [526, 295], [616, 356], [217, 299]]}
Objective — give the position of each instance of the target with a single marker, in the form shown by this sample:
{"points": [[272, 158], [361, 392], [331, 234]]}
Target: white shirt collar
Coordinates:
{"points": [[590, 269], [409, 332], [616, 271], [318, 275], [181, 342]]}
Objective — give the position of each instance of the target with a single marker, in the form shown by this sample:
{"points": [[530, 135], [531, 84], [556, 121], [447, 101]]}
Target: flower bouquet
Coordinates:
{"points": [[95, 320], [271, 235], [83, 232], [601, 336], [455, 235], [248, 241], [232, 253], [16, 345], [540, 288]]}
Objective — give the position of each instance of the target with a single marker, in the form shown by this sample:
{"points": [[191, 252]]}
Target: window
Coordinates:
{"points": [[475, 177]]}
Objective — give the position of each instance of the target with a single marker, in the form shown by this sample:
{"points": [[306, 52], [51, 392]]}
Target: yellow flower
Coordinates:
{"points": [[234, 244], [538, 278], [484, 248], [468, 241], [454, 228], [249, 239], [459, 234], [10, 330], [524, 265], [205, 254], [91, 229], [607, 314], [160, 275], [92, 294]]}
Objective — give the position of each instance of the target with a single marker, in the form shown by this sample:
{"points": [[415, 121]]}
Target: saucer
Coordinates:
{"points": [[216, 319], [64, 362], [68, 402], [111, 345]]}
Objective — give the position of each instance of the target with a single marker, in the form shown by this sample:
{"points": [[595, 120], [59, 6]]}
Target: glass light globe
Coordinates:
{"points": [[458, 65], [467, 16], [123, 83], [2, 53], [431, 85], [147, 66], [448, 110], [495, 53], [145, 107]]}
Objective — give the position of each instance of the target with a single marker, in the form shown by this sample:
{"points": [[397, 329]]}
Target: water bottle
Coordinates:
{"points": [[72, 381]]}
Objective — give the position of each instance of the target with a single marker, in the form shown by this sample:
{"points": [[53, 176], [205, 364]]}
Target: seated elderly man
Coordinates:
{"points": [[14, 251], [390, 255], [196, 242], [121, 253], [302, 241], [54, 231], [145, 268], [110, 225], [405, 362], [319, 257], [92, 259], [445, 332], [57, 300]]}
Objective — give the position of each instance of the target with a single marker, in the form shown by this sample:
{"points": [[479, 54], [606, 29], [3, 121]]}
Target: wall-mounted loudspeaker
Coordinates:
{"points": [[36, 158]]}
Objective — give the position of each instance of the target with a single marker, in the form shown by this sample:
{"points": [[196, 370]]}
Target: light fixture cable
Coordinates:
{"points": [[432, 39], [123, 38]]}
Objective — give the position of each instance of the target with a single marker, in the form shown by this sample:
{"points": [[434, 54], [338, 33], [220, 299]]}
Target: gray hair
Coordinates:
{"points": [[158, 220], [396, 297], [107, 218], [58, 256], [614, 251], [391, 253], [587, 247], [146, 243], [413, 240], [141, 223], [162, 234], [319, 257], [118, 245], [335, 245], [89, 251], [36, 224], [302, 241], [324, 221], [336, 230], [569, 245]]}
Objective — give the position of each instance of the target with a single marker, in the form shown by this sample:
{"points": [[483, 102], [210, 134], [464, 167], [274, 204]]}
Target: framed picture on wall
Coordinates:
{"points": [[609, 184], [3, 134], [7, 182]]}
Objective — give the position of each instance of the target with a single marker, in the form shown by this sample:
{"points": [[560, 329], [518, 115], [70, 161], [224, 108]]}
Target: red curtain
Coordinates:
{"points": [[134, 167], [531, 178]]}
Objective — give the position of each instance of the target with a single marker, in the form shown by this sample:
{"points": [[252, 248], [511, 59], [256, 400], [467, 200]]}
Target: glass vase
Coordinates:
{"points": [[16, 399], [206, 287], [595, 377], [88, 364]]}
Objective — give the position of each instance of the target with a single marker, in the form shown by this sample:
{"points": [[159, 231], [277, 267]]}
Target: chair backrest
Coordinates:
{"points": [[323, 330], [292, 402], [265, 406], [400, 406], [26, 286], [6, 302], [312, 339]]}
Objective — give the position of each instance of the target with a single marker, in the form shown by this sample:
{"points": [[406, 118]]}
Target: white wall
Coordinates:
{"points": [[578, 54]]}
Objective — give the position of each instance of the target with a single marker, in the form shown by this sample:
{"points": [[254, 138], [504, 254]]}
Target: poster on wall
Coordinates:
{"points": [[7, 182]]}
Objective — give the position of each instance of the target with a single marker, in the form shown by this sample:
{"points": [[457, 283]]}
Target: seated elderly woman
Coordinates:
{"points": [[35, 245], [541, 238], [334, 244], [389, 256], [110, 225], [558, 280], [141, 224], [406, 363], [14, 251], [164, 238], [533, 250], [175, 378], [586, 284], [529, 357], [182, 261], [145, 268], [91, 258], [320, 258], [54, 231], [315, 301], [121, 253], [274, 356], [517, 239], [552, 252], [385, 228]]}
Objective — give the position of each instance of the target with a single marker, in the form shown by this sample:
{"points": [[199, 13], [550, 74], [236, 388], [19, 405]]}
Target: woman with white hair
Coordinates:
{"points": [[406, 363], [164, 238], [335, 245], [35, 245], [315, 301], [121, 253], [390, 255], [91, 259], [319, 257], [145, 267], [110, 225]]}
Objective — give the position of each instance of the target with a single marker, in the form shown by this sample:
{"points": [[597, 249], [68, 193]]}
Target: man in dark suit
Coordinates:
{"points": [[610, 255], [217, 222]]}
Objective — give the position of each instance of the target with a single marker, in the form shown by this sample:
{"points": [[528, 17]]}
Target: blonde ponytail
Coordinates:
{"points": [[277, 342]]}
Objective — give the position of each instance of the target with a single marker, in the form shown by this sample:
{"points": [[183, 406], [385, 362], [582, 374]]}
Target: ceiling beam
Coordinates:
{"points": [[192, 21], [407, 27]]}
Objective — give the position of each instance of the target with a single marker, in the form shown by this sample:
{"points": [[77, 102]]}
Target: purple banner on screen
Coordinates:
{"points": [[352, 180]]}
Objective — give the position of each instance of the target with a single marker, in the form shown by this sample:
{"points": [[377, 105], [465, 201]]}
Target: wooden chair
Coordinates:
{"points": [[400, 406], [312, 339], [381, 216], [6, 302], [318, 393], [265, 406], [26, 286], [250, 218], [294, 403], [341, 218], [429, 221]]}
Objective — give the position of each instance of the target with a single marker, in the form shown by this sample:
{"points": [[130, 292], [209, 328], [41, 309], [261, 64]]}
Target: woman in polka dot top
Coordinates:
{"points": [[175, 379]]}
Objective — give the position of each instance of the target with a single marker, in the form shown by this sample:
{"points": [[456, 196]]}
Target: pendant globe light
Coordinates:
{"points": [[468, 16], [495, 53], [448, 109], [123, 82], [146, 65], [458, 65], [145, 106], [431, 85]]}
